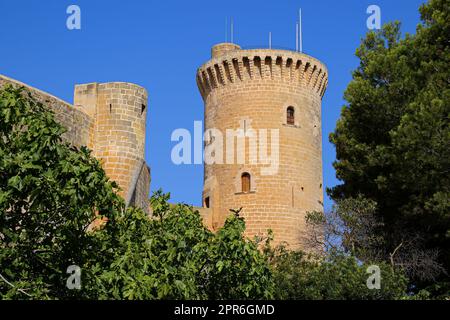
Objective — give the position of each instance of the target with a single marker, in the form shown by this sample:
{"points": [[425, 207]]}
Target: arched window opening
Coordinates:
{"points": [[290, 116], [245, 179]]}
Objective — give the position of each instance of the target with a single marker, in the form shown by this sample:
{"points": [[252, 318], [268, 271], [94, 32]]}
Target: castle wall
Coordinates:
{"points": [[252, 89], [139, 196], [205, 213], [78, 123]]}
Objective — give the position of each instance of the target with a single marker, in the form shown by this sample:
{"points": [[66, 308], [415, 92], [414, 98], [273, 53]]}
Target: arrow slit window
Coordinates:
{"points": [[290, 116]]}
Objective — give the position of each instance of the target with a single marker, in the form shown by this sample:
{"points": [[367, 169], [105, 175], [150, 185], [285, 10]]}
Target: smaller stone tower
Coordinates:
{"points": [[119, 111]]}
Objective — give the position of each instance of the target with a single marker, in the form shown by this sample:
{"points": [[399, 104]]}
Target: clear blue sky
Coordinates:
{"points": [[159, 45]]}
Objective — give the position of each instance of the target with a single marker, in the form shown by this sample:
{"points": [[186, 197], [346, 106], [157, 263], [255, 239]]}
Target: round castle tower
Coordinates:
{"points": [[119, 111], [271, 96]]}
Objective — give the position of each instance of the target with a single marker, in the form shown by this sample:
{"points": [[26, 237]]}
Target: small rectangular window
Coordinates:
{"points": [[290, 116], [245, 180]]}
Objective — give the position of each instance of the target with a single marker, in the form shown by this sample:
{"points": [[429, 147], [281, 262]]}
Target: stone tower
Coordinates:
{"points": [[274, 95], [119, 111]]}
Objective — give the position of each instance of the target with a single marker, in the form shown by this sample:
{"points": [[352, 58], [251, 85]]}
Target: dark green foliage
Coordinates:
{"points": [[335, 277], [50, 195], [173, 256], [393, 138], [234, 265]]}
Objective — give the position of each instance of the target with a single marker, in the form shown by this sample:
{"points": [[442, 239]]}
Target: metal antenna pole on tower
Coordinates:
{"points": [[226, 29], [270, 40], [296, 37], [300, 30], [231, 30]]}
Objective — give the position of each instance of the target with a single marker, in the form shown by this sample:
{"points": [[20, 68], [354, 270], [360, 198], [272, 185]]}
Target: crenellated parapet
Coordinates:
{"points": [[230, 65]]}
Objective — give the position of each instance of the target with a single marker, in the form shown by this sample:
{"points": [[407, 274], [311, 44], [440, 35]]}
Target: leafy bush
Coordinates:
{"points": [[336, 276]]}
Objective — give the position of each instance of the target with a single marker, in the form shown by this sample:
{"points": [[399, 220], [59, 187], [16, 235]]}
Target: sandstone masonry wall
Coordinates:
{"points": [[78, 123]]}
